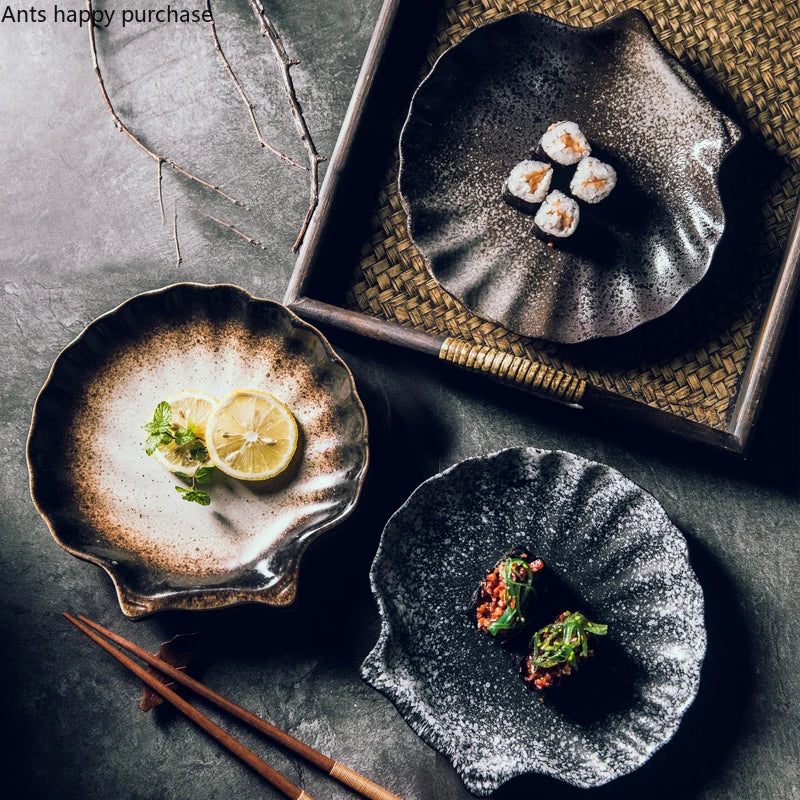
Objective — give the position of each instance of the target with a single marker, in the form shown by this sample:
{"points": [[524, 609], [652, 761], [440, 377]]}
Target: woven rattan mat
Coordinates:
{"points": [[691, 361]]}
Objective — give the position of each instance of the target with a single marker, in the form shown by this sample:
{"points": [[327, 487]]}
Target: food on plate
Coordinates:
{"points": [[505, 595], [175, 438], [557, 649], [251, 435], [527, 185], [176, 432], [557, 217], [593, 180], [565, 143]]}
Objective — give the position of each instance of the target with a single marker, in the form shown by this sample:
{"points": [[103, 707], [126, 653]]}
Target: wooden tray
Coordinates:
{"points": [[701, 370]]}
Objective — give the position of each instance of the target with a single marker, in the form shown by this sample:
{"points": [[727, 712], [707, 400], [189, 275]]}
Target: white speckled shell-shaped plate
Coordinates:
{"points": [[613, 554], [486, 103], [106, 501]]}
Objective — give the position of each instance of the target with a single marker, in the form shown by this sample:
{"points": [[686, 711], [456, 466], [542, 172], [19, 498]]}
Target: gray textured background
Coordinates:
{"points": [[80, 231]]}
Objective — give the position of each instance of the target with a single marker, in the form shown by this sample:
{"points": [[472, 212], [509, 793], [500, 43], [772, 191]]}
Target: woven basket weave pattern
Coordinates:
{"points": [[691, 362]]}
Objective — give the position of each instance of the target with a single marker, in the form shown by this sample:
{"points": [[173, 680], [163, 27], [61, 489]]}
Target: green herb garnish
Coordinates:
{"points": [[564, 641], [198, 451], [161, 431], [159, 428], [204, 474], [184, 436], [518, 593], [194, 495], [191, 493]]}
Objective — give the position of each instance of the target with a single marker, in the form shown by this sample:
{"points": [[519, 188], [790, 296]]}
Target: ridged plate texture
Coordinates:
{"points": [[486, 103], [612, 554], [106, 501]]}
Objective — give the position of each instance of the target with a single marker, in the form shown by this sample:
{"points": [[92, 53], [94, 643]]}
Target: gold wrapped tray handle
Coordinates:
{"points": [[516, 370]]}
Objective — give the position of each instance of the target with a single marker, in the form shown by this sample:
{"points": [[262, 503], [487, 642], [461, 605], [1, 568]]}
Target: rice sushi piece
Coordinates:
{"points": [[557, 217], [565, 143], [505, 595], [527, 185], [593, 180]]}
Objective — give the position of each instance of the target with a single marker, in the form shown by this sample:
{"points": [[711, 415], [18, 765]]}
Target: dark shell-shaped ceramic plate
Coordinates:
{"points": [[107, 502], [611, 552], [482, 108]]}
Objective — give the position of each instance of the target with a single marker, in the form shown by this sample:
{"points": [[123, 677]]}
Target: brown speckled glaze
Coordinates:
{"points": [[113, 505], [482, 109]]}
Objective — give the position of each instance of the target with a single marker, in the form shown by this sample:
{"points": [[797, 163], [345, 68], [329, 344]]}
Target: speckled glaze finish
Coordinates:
{"points": [[612, 553], [106, 501], [482, 109]]}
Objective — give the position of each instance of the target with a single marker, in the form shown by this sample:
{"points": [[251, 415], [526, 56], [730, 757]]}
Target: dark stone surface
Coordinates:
{"points": [[80, 231]]}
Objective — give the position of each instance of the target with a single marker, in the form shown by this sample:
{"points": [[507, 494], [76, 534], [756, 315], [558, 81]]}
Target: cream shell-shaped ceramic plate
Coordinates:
{"points": [[106, 501]]}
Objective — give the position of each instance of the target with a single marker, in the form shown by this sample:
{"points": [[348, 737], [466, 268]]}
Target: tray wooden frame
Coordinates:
{"points": [[388, 77]]}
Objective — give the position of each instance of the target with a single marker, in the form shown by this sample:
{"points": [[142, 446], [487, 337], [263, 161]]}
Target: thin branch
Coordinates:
{"points": [[229, 227], [160, 190], [178, 258], [270, 32], [250, 107], [118, 123]]}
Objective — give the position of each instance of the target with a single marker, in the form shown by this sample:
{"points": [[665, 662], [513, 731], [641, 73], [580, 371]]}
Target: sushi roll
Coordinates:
{"points": [[593, 180], [557, 650], [527, 185], [506, 593], [557, 217], [565, 143]]}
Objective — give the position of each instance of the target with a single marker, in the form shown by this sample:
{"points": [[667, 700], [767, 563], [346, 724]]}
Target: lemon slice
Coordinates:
{"points": [[188, 408], [251, 436]]}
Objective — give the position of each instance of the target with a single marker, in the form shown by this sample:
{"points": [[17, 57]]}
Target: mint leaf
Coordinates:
{"points": [[194, 495], [198, 451], [183, 477], [158, 429], [162, 417], [204, 474], [199, 497], [184, 436], [151, 443]]}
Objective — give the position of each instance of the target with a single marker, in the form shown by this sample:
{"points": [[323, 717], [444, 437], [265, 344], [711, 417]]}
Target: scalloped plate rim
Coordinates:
{"points": [[139, 606], [637, 17], [374, 672]]}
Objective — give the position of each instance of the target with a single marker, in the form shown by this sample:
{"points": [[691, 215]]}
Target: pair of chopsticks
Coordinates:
{"points": [[345, 775]]}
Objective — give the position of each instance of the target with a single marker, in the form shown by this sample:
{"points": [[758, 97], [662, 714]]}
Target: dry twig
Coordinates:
{"points": [[178, 257], [120, 125], [269, 32], [160, 192], [250, 107], [229, 227]]}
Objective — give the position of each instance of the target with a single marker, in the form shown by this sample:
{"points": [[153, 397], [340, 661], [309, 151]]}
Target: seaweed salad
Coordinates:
{"points": [[557, 649], [505, 594]]}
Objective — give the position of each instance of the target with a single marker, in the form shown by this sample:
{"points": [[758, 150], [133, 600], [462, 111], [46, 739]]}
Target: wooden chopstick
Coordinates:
{"points": [[211, 728], [340, 772]]}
